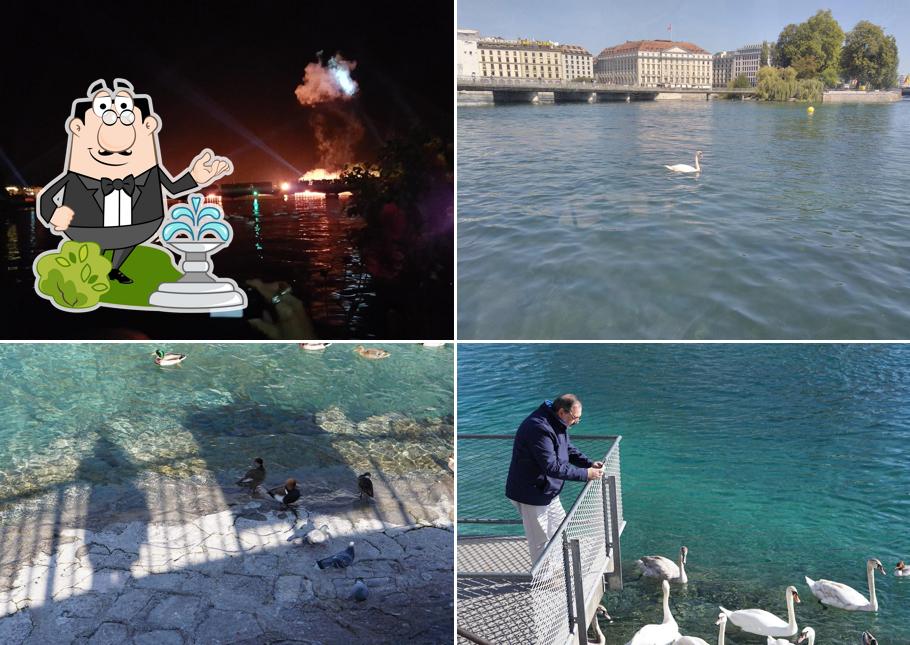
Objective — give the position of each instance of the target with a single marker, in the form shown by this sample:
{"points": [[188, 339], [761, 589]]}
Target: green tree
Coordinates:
{"points": [[870, 56], [740, 82], [764, 61], [812, 48], [775, 84]]}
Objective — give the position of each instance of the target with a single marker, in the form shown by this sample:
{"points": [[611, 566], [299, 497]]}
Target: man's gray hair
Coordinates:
{"points": [[565, 402]]}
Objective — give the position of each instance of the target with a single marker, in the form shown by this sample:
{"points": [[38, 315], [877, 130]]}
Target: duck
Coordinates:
{"points": [[371, 352], [901, 569], [657, 566], [255, 475], [695, 640], [318, 536], [286, 494], [869, 639], [164, 359], [764, 623], [682, 167], [314, 347], [659, 634], [365, 484], [808, 634], [837, 594], [340, 560]]}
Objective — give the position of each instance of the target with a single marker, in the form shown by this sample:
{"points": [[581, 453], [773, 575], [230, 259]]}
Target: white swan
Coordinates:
{"points": [[695, 640], [663, 634], [836, 594], [601, 639], [901, 569], [657, 566], [764, 623], [683, 167], [808, 634]]}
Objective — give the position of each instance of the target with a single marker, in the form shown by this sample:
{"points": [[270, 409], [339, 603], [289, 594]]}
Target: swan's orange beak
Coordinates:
{"points": [[796, 597]]}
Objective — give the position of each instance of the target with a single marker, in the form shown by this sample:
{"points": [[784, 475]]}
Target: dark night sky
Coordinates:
{"points": [[239, 61]]}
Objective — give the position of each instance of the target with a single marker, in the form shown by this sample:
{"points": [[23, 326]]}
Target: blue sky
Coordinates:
{"points": [[714, 25]]}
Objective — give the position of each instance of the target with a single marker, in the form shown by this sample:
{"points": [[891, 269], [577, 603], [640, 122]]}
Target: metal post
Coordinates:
{"points": [[565, 570], [580, 620], [614, 579], [608, 533]]}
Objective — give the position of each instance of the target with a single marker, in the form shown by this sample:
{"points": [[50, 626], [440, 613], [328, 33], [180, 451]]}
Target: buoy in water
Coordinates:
{"points": [[810, 109]]}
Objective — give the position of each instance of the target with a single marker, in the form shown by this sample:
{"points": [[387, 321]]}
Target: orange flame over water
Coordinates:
{"points": [[319, 174]]}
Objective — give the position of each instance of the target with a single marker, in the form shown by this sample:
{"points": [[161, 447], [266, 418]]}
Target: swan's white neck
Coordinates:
{"points": [[870, 574], [720, 632], [668, 617], [791, 612], [697, 167], [682, 569]]}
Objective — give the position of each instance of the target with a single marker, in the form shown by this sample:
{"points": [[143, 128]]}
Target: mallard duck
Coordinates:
{"points": [[365, 484], [255, 475], [314, 347], [318, 536], [164, 359], [869, 639], [340, 560], [287, 494], [901, 569], [371, 353]]}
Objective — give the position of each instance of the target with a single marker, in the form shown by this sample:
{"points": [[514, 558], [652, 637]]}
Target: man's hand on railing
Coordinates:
{"points": [[595, 473], [598, 464]]}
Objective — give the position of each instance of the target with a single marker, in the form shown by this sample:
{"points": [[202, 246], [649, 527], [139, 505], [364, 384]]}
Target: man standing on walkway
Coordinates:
{"points": [[543, 457]]}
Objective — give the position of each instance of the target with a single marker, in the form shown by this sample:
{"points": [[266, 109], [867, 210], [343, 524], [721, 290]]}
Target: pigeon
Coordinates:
{"points": [[365, 484], [340, 560], [287, 494], [318, 536], [254, 476], [360, 591]]}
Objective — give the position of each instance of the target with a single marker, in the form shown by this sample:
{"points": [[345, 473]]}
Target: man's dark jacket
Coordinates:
{"points": [[543, 457], [84, 195]]}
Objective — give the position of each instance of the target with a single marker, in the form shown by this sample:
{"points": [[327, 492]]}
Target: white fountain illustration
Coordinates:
{"points": [[197, 234]]}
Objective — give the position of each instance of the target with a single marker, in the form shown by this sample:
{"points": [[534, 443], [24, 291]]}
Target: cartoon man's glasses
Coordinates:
{"points": [[110, 109]]}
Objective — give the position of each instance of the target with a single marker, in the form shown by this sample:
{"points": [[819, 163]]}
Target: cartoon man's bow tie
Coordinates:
{"points": [[127, 184]]}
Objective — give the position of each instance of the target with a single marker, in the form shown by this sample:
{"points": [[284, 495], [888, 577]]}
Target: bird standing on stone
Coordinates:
{"points": [[318, 536], [287, 494], [365, 484], [360, 592], [255, 475], [340, 560]]}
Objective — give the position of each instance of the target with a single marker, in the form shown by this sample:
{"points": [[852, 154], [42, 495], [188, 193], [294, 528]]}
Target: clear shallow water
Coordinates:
{"points": [[570, 227], [102, 413], [770, 462]]}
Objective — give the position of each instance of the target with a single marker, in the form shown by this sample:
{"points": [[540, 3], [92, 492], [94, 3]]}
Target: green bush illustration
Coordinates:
{"points": [[76, 277]]}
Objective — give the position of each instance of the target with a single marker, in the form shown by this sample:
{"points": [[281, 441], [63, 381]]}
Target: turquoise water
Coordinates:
{"points": [[101, 413], [770, 462], [570, 227]]}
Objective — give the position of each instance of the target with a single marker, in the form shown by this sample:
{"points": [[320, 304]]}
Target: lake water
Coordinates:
{"points": [[770, 462], [569, 226], [104, 414]]}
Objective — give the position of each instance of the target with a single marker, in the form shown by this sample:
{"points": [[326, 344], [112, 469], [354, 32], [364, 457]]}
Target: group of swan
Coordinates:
{"points": [[754, 621]]}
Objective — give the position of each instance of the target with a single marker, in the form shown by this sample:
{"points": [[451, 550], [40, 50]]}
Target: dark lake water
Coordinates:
{"points": [[569, 226], [304, 240]]}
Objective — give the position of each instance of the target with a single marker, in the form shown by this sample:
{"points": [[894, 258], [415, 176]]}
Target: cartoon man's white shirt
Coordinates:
{"points": [[118, 209]]}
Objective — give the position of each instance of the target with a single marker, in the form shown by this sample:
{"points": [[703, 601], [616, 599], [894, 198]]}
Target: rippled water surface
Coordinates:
{"points": [[103, 413], [770, 462], [570, 226]]}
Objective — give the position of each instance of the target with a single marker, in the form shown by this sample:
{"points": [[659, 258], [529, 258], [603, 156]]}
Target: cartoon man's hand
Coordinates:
{"points": [[62, 217], [207, 167]]}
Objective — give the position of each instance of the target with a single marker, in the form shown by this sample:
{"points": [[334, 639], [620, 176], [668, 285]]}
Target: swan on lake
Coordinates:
{"points": [[837, 594], [764, 623], [684, 167], [657, 566], [664, 633]]}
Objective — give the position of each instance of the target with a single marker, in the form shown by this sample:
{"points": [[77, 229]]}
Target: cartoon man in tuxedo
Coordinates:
{"points": [[112, 191]]}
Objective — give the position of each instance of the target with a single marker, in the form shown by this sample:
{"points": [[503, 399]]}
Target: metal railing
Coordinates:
{"points": [[494, 82], [502, 596]]}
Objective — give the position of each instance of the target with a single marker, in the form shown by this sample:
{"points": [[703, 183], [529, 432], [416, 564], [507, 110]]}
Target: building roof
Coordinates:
{"points": [[494, 42], [575, 49], [651, 46]]}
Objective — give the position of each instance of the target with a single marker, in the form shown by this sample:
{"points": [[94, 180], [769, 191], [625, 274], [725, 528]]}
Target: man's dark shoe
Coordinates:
{"points": [[117, 275]]}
